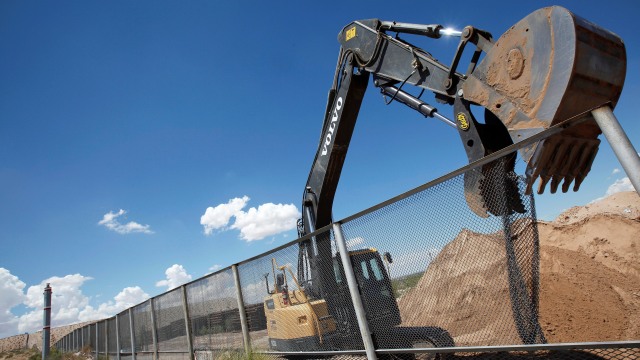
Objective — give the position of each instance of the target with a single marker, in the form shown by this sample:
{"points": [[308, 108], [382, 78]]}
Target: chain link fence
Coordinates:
{"points": [[418, 276]]}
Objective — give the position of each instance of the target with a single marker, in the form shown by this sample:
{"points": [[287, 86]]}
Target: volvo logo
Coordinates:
{"points": [[332, 126]]}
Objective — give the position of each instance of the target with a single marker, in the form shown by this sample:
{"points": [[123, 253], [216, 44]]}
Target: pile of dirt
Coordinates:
{"points": [[589, 280], [464, 290], [590, 271]]}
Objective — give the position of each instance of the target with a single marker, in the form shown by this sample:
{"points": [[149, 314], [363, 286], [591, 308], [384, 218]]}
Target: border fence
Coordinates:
{"points": [[418, 276]]}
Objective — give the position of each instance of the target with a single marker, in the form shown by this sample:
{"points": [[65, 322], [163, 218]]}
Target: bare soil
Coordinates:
{"points": [[589, 280]]}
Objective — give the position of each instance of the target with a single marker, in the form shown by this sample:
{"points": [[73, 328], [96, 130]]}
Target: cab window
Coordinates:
{"points": [[336, 271], [365, 270], [375, 269]]}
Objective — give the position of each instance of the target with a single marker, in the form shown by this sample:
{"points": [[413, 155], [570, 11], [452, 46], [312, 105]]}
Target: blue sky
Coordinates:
{"points": [[122, 122]]}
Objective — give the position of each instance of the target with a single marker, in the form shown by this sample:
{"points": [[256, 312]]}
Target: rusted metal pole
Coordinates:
{"points": [[46, 330]]}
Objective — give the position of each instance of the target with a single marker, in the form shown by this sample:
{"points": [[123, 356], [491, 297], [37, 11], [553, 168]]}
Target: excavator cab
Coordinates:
{"points": [[375, 288]]}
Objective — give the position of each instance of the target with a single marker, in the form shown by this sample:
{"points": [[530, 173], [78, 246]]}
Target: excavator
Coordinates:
{"points": [[549, 69]]}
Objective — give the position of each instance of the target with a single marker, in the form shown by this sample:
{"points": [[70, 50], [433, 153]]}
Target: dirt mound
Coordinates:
{"points": [[607, 231], [623, 204], [464, 291], [589, 280], [583, 300]]}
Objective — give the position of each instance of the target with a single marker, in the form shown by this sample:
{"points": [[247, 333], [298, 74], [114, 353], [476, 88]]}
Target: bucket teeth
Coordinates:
{"points": [[561, 158]]}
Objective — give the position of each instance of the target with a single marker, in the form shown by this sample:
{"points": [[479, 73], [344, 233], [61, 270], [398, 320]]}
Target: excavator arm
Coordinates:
{"points": [[550, 67]]}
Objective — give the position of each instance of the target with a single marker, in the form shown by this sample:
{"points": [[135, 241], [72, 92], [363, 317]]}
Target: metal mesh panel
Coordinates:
{"points": [[124, 332], [254, 292], [170, 322], [142, 327], [101, 345], [112, 333], [450, 272], [86, 334], [213, 312], [311, 308], [172, 356], [92, 336]]}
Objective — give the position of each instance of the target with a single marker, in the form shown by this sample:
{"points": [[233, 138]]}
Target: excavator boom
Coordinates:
{"points": [[550, 67]]}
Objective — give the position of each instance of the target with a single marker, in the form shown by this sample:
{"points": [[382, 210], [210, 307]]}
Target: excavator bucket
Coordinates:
{"points": [[550, 67]]}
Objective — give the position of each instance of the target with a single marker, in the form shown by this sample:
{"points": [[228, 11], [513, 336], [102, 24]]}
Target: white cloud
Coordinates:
{"points": [[218, 286], [110, 221], [254, 224], [254, 293], [66, 295], [128, 297], [351, 243], [268, 219], [615, 171], [11, 289], [620, 185], [412, 262], [218, 217], [215, 268], [70, 305], [176, 276]]}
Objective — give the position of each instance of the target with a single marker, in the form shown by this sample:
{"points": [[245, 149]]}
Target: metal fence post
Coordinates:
{"points": [[187, 322], [243, 314], [154, 329], [355, 293], [46, 326], [106, 338], [97, 344], [133, 337], [117, 338], [622, 147]]}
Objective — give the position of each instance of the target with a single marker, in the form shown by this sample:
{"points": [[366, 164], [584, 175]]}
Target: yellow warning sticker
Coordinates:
{"points": [[351, 33], [463, 123]]}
